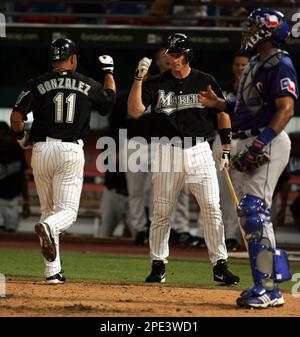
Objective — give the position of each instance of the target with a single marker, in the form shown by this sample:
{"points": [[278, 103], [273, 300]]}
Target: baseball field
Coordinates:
{"points": [[107, 279]]}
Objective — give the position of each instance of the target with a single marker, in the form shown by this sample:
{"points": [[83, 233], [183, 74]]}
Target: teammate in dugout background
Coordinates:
{"points": [[265, 103], [61, 101], [177, 113], [13, 181]]}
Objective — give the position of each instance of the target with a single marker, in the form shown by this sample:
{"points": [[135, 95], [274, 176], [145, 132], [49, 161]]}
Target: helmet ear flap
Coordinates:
{"points": [[283, 31], [190, 55]]}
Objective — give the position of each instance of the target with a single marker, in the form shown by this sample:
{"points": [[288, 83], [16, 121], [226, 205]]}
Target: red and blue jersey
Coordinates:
{"points": [[262, 82]]}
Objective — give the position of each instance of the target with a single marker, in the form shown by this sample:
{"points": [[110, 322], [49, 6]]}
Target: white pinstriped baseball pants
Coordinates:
{"points": [[58, 174], [196, 165]]}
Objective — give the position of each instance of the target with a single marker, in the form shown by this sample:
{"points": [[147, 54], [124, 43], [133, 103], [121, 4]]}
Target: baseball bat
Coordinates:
{"points": [[235, 202]]}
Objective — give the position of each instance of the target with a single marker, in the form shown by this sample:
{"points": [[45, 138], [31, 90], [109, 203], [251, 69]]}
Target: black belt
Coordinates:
{"points": [[63, 141], [190, 142], [244, 134]]}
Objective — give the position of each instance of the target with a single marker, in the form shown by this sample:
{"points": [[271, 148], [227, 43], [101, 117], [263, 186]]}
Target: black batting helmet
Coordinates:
{"points": [[61, 49], [180, 43]]}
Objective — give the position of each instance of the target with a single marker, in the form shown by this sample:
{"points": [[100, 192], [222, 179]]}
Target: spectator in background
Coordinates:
{"points": [[12, 181], [160, 7], [230, 88], [233, 11]]}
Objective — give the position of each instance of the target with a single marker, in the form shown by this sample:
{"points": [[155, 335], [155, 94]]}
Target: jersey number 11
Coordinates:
{"points": [[59, 107]]}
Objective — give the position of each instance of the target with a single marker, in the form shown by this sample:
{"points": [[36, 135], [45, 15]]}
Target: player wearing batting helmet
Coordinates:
{"points": [[61, 102], [180, 117]]}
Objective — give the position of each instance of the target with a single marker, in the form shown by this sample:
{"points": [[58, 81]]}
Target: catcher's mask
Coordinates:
{"points": [[264, 24]]}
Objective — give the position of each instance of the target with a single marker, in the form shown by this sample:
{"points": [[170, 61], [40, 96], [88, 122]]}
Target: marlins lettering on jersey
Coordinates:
{"points": [[64, 83], [170, 102]]}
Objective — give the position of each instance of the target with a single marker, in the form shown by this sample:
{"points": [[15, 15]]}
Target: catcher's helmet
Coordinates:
{"points": [[61, 49], [180, 43], [264, 24]]}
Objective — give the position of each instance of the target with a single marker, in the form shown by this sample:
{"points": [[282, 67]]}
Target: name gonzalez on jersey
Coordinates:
{"points": [[170, 102], [63, 83]]}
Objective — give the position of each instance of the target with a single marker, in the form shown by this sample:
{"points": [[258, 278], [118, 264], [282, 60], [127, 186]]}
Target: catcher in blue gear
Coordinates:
{"points": [[264, 105]]}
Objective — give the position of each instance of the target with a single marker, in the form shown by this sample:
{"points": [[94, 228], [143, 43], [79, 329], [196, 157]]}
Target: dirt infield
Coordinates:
{"points": [[28, 298], [103, 300]]}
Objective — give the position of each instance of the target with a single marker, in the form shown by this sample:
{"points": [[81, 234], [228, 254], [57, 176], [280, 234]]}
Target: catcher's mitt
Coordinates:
{"points": [[248, 161]]}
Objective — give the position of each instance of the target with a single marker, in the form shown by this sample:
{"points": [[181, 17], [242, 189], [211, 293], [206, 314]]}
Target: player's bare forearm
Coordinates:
{"points": [[135, 105], [109, 82], [223, 120], [284, 112], [221, 104], [17, 121]]}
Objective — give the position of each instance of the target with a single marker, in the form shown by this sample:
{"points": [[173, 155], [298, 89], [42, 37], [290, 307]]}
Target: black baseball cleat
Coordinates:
{"points": [[222, 275], [158, 272], [56, 279], [47, 241]]}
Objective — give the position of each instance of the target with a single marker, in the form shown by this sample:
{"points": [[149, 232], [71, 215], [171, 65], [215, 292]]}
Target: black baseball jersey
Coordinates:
{"points": [[175, 108], [61, 103]]}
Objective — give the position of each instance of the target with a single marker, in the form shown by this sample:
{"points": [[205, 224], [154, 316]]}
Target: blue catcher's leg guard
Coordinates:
{"points": [[268, 265]]}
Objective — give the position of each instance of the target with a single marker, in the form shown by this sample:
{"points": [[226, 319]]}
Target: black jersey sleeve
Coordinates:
{"points": [[217, 89], [25, 100], [103, 100]]}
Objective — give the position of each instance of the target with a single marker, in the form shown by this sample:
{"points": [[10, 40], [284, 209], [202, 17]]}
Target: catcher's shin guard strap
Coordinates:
{"points": [[252, 211]]}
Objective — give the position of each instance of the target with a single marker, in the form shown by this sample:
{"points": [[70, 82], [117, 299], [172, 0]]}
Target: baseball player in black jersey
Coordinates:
{"points": [[61, 102], [177, 113]]}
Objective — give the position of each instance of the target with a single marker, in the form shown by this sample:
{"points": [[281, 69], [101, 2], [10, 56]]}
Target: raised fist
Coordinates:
{"points": [[107, 64], [142, 68]]}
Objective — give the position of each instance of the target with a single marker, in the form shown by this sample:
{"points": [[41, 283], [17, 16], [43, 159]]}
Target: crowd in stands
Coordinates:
{"points": [[224, 13]]}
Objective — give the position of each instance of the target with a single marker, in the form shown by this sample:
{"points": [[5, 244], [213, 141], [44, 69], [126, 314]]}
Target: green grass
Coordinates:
{"points": [[26, 264]]}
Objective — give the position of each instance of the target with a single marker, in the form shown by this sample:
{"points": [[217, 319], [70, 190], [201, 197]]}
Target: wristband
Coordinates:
{"points": [[267, 135], [108, 71], [225, 136], [20, 134]]}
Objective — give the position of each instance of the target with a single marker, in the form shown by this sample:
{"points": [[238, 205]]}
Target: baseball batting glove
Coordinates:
{"points": [[23, 140], [142, 68], [225, 159], [252, 158], [107, 64]]}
